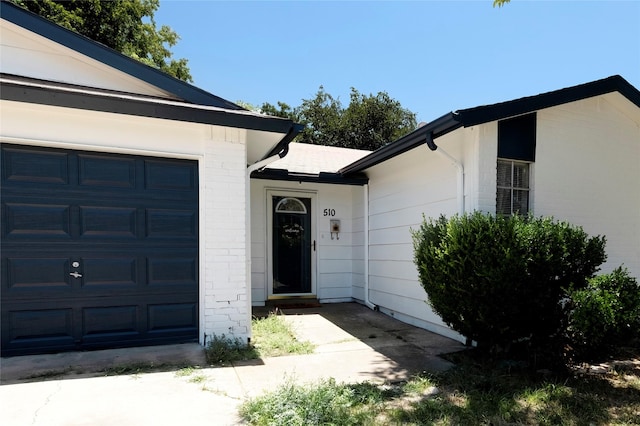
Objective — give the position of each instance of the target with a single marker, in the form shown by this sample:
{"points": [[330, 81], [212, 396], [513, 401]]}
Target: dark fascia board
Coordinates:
{"points": [[437, 127], [80, 98], [99, 52], [332, 178], [487, 113], [283, 146]]}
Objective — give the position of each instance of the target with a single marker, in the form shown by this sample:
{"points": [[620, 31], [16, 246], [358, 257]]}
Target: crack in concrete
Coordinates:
{"points": [[46, 402]]}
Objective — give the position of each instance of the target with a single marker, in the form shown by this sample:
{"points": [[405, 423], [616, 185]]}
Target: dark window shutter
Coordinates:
{"points": [[517, 138]]}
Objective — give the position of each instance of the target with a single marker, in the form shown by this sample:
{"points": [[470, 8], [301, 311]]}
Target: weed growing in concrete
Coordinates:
{"points": [[274, 336], [222, 350], [198, 378], [186, 371]]}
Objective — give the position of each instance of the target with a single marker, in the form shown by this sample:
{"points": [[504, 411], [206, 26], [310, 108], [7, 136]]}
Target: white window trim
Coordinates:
{"points": [[529, 189]]}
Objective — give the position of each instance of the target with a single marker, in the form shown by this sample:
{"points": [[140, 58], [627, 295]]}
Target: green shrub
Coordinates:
{"points": [[501, 280], [605, 313]]}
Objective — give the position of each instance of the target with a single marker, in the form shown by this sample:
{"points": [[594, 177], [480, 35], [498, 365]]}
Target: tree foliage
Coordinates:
{"points": [[368, 122], [500, 3], [127, 26]]}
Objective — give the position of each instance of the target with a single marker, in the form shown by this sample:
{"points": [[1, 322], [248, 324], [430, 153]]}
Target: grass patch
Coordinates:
{"points": [[134, 368], [186, 371], [46, 375], [326, 402], [198, 378], [475, 392], [272, 336], [223, 350]]}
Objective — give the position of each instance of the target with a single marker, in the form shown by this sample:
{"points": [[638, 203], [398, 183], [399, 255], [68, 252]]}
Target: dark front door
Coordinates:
{"points": [[291, 245], [98, 250]]}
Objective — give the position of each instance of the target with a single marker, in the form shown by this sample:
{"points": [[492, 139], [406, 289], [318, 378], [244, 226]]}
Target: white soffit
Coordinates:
{"points": [[30, 55]]}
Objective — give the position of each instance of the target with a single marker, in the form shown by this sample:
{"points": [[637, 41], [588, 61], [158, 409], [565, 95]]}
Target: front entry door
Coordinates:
{"points": [[291, 239]]}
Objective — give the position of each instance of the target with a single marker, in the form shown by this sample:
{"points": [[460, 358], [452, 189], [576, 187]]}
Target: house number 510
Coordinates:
{"points": [[329, 212]]}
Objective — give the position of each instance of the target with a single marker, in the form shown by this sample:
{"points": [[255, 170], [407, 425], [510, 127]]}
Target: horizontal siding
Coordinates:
{"points": [[396, 269], [417, 184], [391, 252], [335, 258]]}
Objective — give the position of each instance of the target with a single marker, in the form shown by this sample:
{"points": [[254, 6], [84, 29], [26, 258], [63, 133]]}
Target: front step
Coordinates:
{"points": [[293, 303]]}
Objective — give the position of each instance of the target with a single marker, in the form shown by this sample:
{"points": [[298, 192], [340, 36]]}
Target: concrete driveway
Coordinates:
{"points": [[353, 342]]}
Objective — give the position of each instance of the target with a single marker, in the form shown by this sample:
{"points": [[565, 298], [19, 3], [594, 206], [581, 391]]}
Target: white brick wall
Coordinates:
{"points": [[587, 172], [224, 300], [485, 181]]}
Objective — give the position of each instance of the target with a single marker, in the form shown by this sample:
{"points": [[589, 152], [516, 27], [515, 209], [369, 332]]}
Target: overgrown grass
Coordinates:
{"points": [[475, 392], [325, 403], [222, 350], [272, 336], [138, 368]]}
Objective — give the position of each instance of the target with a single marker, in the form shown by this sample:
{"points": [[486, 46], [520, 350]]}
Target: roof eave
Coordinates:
{"points": [[141, 107], [487, 113], [499, 111], [438, 127], [322, 177], [282, 147], [101, 53]]}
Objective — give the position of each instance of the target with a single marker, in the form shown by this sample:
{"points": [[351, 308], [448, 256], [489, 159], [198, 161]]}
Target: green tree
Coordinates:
{"points": [[127, 26], [372, 121], [500, 3], [282, 110], [368, 122]]}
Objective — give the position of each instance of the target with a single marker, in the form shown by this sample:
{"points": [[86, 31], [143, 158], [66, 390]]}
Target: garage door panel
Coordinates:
{"points": [[108, 222], [172, 317], [164, 175], [103, 170], [110, 321], [108, 259], [35, 274], [41, 327], [171, 223], [41, 166], [37, 220], [172, 271], [110, 274]]}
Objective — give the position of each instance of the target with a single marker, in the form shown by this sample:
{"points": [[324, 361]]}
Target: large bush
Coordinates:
{"points": [[604, 314], [501, 280]]}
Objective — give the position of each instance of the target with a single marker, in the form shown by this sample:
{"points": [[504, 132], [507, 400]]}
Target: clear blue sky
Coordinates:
{"points": [[431, 56]]}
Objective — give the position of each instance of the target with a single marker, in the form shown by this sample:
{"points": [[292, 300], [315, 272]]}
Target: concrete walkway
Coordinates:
{"points": [[353, 344]]}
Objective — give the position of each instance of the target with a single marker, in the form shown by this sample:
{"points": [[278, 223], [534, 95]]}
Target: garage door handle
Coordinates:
{"points": [[75, 274]]}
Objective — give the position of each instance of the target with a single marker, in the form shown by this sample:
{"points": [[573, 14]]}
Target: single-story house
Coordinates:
{"points": [[138, 209], [573, 154]]}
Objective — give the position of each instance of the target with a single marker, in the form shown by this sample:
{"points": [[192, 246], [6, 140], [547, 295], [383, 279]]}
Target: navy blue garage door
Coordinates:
{"points": [[98, 250]]}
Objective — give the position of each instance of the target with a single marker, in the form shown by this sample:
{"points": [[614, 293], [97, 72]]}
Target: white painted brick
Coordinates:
{"points": [[225, 208]]}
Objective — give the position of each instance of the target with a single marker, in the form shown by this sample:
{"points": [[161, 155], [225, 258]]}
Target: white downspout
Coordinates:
{"points": [[433, 147], [252, 168], [366, 249]]}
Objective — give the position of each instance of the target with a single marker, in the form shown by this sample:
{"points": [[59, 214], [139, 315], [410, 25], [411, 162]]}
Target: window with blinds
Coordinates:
{"points": [[513, 187]]}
